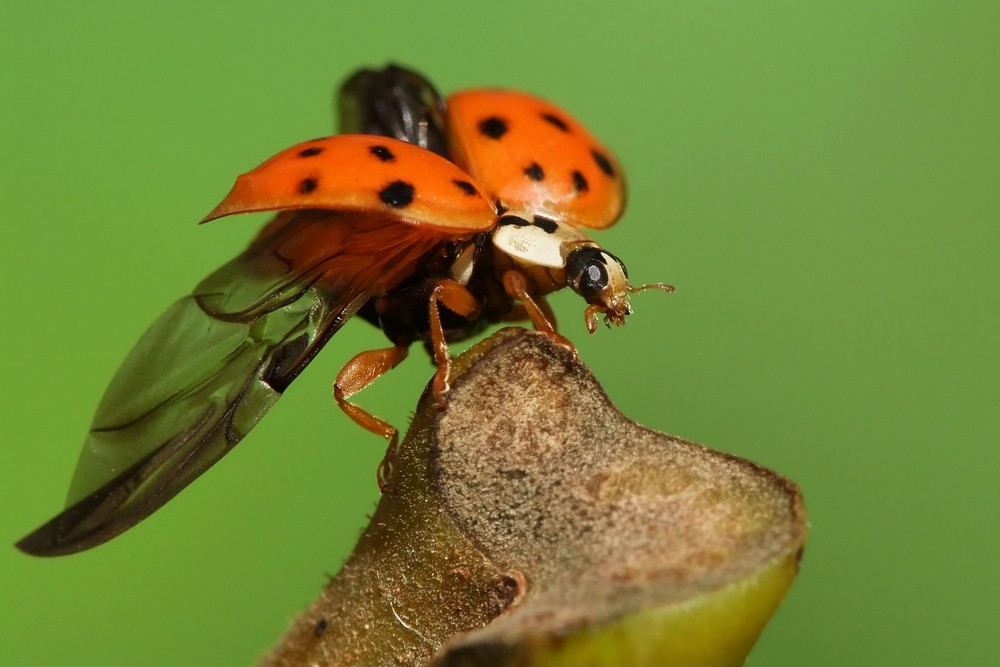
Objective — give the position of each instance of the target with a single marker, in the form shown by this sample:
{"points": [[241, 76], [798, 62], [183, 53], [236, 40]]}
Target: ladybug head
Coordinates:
{"points": [[602, 279]]}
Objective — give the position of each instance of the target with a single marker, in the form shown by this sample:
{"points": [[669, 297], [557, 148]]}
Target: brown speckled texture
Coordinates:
{"points": [[531, 507]]}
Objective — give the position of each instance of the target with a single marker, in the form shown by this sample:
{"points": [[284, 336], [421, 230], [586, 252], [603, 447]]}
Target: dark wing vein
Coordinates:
{"points": [[211, 366]]}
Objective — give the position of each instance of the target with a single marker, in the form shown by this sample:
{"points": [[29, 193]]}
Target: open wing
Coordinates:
{"points": [[209, 368]]}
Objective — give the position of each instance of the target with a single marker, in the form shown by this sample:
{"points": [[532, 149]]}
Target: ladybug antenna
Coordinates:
{"points": [[594, 311], [669, 289]]}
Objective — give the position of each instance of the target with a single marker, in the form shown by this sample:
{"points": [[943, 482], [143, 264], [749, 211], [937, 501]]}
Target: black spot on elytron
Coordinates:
{"points": [[548, 225], [309, 152], [515, 220], [397, 194], [580, 182], [604, 163], [534, 172], [493, 127], [466, 187], [382, 153], [307, 185], [555, 120]]}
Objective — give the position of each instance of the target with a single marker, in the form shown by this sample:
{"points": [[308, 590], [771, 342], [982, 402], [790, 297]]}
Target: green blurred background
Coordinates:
{"points": [[818, 179]]}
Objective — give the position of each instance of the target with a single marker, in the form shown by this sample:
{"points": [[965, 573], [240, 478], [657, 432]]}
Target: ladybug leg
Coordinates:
{"points": [[459, 300], [519, 313], [357, 374], [517, 287]]}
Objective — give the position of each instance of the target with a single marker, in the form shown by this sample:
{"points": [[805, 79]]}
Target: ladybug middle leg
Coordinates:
{"points": [[519, 313], [358, 373], [458, 299], [518, 287]]}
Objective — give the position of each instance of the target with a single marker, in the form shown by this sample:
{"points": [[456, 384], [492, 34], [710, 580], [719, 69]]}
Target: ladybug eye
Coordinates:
{"points": [[594, 278], [587, 271]]}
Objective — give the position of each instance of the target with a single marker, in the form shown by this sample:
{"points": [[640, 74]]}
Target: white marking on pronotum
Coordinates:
{"points": [[532, 245], [461, 268]]}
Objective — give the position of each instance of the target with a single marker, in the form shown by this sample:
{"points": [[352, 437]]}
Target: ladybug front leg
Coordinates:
{"points": [[517, 287], [519, 313], [357, 374], [459, 300]]}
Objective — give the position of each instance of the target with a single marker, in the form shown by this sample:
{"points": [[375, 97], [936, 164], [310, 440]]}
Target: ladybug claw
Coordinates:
{"points": [[441, 387], [563, 342], [441, 398], [388, 462]]}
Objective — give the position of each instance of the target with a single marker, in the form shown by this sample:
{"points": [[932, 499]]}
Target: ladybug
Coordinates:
{"points": [[431, 218]]}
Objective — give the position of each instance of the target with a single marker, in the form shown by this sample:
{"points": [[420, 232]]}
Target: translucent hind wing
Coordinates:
{"points": [[211, 366]]}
